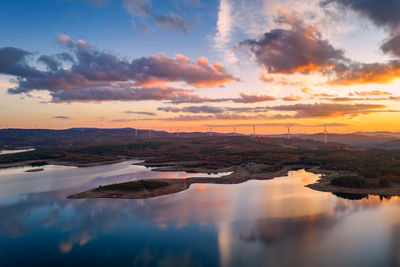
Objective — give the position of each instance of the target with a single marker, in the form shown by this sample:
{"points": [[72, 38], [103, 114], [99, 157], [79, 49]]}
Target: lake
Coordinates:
{"points": [[275, 222]]}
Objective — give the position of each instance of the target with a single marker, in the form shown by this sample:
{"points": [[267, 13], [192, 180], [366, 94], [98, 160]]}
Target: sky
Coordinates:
{"points": [[195, 64]]}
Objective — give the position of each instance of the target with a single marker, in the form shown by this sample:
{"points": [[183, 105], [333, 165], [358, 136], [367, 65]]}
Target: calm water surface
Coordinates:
{"points": [[258, 223]]}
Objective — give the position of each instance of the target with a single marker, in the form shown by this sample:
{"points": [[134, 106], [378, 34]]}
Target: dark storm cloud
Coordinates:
{"points": [[300, 48]]}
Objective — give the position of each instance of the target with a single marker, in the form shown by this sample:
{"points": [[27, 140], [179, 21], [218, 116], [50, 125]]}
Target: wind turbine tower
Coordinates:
{"points": [[325, 132], [254, 130], [288, 131]]}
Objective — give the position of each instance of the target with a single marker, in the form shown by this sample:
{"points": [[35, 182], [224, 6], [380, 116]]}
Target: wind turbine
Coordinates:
{"points": [[210, 129], [288, 130], [234, 130], [325, 132], [254, 130]]}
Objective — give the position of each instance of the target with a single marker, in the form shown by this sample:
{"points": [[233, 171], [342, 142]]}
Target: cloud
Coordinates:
{"points": [[301, 49], [212, 117], [225, 25], [277, 124], [281, 112], [292, 98], [351, 99], [277, 79], [298, 49], [193, 109], [320, 110], [245, 98], [371, 93], [51, 63], [13, 61], [172, 22], [213, 110], [120, 93], [365, 73], [97, 2], [381, 13], [141, 8], [140, 113], [61, 117], [142, 12], [161, 68], [94, 72]]}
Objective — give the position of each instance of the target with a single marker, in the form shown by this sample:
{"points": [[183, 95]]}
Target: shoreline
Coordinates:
{"points": [[323, 184], [60, 163], [239, 175]]}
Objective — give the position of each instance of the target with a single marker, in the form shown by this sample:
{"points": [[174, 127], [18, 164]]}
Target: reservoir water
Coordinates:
{"points": [[277, 222]]}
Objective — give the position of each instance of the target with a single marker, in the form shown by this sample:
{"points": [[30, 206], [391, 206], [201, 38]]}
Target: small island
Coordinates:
{"points": [[158, 187], [35, 170]]}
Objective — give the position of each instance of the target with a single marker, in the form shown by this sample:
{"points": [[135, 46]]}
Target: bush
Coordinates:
{"points": [[134, 186], [384, 182], [349, 181]]}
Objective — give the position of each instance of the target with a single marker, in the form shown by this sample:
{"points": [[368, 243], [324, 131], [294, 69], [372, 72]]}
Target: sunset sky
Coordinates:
{"points": [[174, 64]]}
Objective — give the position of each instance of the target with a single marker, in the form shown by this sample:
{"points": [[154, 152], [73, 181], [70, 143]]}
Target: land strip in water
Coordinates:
{"points": [[379, 168]]}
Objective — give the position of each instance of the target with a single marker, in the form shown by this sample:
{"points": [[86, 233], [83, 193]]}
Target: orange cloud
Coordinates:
{"points": [[292, 98], [371, 93], [380, 73]]}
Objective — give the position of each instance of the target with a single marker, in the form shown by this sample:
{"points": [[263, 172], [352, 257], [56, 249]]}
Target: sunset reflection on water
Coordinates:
{"points": [[257, 223]]}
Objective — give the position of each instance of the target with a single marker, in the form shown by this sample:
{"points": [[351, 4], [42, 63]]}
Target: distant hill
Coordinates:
{"points": [[370, 140], [393, 144], [77, 137], [15, 138]]}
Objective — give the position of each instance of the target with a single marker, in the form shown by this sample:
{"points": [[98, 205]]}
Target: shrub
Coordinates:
{"points": [[349, 181], [384, 182], [134, 186]]}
